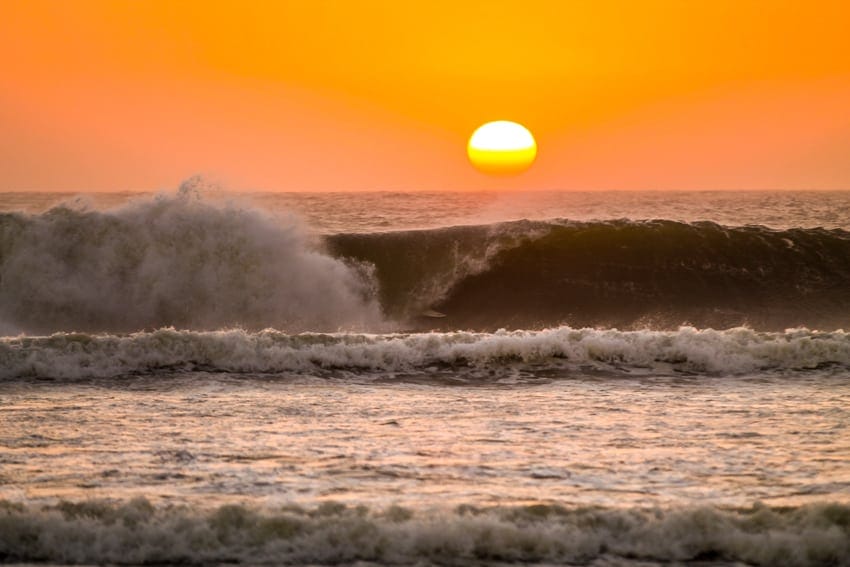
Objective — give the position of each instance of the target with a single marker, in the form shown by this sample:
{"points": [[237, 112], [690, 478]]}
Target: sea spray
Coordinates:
{"points": [[174, 260]]}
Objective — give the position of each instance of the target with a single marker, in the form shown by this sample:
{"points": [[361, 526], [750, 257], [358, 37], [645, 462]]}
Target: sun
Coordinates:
{"points": [[501, 148]]}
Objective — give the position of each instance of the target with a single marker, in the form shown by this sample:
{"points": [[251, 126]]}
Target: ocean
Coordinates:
{"points": [[413, 378]]}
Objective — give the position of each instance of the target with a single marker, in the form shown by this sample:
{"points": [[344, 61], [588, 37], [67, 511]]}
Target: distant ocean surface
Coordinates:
{"points": [[600, 378]]}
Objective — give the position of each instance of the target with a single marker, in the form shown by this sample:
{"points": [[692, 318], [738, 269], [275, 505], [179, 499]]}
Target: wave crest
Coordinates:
{"points": [[173, 260], [730, 352], [138, 533]]}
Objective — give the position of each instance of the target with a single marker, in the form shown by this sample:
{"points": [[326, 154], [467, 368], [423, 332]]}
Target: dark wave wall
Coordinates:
{"points": [[621, 273]]}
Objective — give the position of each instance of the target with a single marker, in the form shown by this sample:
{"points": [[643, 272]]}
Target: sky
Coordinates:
{"points": [[383, 95]]}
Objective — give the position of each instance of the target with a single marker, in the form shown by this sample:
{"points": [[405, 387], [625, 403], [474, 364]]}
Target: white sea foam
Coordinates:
{"points": [[173, 260], [138, 533], [733, 351]]}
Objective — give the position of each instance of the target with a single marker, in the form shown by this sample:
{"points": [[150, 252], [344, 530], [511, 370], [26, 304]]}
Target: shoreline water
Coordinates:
{"points": [[148, 415]]}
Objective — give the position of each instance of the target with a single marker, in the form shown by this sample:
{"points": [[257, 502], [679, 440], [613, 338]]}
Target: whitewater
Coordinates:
{"points": [[647, 378]]}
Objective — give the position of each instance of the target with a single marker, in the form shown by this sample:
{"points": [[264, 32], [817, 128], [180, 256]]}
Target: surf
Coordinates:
{"points": [[571, 352], [137, 532]]}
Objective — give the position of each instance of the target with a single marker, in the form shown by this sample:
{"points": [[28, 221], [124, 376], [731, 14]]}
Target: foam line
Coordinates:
{"points": [[730, 352], [137, 532]]}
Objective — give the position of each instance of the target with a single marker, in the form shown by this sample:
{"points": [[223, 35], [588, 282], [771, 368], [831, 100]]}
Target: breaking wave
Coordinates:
{"points": [[173, 260], [620, 273], [136, 532], [730, 352], [184, 262]]}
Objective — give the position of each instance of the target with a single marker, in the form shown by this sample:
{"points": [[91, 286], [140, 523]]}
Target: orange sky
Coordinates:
{"points": [[310, 95]]}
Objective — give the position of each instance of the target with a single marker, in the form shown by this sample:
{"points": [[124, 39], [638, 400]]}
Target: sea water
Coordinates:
{"points": [[425, 378]]}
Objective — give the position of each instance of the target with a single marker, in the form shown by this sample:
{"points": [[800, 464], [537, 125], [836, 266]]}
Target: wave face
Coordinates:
{"points": [[416, 269], [173, 260], [475, 356], [137, 533], [628, 274]]}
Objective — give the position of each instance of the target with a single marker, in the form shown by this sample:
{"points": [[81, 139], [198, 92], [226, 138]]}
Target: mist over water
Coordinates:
{"points": [[173, 260], [433, 379]]}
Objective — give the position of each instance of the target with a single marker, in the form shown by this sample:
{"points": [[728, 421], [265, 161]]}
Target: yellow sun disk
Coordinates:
{"points": [[502, 161], [501, 148]]}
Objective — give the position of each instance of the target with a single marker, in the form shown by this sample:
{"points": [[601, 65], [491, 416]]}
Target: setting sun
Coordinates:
{"points": [[502, 147]]}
